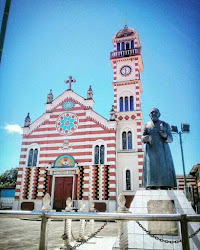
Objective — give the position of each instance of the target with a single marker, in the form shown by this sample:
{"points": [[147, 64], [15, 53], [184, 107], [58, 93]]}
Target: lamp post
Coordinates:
{"points": [[185, 128]]}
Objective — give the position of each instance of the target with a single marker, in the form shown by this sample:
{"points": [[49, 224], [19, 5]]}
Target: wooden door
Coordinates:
{"points": [[63, 190]]}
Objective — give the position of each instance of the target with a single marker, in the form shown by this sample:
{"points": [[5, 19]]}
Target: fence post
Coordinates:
{"points": [[91, 228], [43, 232], [184, 232], [122, 225]]}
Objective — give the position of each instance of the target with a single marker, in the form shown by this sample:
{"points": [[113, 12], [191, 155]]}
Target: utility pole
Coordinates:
{"points": [[186, 187], [3, 26], [185, 128]]}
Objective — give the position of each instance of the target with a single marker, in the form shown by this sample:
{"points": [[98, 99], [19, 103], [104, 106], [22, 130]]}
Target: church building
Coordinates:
{"points": [[72, 151]]}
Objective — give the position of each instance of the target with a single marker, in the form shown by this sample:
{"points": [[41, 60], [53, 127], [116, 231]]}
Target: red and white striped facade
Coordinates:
{"points": [[91, 182]]}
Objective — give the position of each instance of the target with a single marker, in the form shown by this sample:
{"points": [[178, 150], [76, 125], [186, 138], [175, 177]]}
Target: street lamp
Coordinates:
{"points": [[185, 128]]}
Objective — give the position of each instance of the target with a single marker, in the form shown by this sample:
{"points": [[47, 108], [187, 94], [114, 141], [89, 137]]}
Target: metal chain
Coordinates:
{"points": [[157, 238], [90, 237], [166, 241], [192, 235]]}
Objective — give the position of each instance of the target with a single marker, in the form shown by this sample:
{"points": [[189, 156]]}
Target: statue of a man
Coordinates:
{"points": [[158, 167]]}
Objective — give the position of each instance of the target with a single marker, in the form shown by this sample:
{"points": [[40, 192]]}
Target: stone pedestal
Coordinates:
{"points": [[142, 204]]}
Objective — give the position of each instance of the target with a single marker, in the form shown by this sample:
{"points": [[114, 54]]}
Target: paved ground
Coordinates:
{"points": [[24, 235]]}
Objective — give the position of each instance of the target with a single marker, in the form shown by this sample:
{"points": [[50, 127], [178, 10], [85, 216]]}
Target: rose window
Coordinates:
{"points": [[67, 123]]}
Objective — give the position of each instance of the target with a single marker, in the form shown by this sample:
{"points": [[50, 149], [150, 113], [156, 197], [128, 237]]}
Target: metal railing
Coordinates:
{"points": [[47, 216], [130, 52]]}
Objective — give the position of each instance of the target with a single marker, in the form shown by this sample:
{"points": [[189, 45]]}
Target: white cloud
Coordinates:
{"points": [[13, 128]]}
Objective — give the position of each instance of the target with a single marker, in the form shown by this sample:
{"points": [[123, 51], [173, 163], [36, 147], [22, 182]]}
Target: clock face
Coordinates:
{"points": [[125, 70]]}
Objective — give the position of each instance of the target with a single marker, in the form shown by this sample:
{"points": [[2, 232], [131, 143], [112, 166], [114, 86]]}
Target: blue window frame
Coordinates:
{"points": [[123, 48], [102, 154], [96, 155], [131, 103], [124, 141], [126, 103], [118, 46], [35, 155], [129, 140], [132, 44], [30, 158], [127, 46], [128, 180], [121, 104], [99, 153]]}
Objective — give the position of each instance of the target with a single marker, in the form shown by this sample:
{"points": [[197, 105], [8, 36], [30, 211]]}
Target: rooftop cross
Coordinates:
{"points": [[70, 82]]}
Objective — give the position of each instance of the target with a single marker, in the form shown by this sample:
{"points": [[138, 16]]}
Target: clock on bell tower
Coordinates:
{"points": [[127, 64]]}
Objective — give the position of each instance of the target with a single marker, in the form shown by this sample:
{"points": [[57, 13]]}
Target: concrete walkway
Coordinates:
{"points": [[24, 234]]}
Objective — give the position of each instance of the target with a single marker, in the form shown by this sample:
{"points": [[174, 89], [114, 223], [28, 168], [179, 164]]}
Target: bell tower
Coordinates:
{"points": [[126, 61]]}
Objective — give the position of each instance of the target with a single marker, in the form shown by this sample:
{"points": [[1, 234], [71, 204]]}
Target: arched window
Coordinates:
{"points": [[118, 46], [121, 104], [131, 103], [132, 44], [30, 158], [122, 45], [124, 142], [102, 154], [35, 155], [127, 140], [127, 46], [128, 179], [96, 155], [99, 154], [126, 103]]}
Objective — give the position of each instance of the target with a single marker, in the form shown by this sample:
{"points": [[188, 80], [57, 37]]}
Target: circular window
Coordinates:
{"points": [[67, 123]]}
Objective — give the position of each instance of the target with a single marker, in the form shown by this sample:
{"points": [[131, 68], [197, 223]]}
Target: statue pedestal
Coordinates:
{"points": [[156, 201]]}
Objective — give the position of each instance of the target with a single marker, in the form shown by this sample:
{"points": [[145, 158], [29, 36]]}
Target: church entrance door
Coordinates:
{"points": [[63, 190]]}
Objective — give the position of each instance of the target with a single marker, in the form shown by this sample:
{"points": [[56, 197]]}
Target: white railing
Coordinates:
{"points": [[121, 53], [47, 216]]}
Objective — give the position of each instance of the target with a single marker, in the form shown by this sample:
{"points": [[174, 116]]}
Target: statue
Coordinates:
{"points": [[92, 208], [121, 204], [46, 202], [68, 207], [158, 167], [82, 206]]}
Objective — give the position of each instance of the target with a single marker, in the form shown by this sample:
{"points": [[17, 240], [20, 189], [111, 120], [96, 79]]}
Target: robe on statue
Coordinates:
{"points": [[158, 167]]}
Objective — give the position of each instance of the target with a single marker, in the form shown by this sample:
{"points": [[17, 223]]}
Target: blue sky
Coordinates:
{"points": [[46, 41]]}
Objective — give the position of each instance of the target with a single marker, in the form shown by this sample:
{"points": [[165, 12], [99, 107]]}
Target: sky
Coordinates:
{"points": [[47, 41]]}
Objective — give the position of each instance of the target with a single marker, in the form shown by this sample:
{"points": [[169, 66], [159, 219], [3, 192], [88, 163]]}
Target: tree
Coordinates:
{"points": [[9, 178]]}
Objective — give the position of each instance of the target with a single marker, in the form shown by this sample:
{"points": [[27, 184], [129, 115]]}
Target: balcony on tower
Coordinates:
{"points": [[124, 53]]}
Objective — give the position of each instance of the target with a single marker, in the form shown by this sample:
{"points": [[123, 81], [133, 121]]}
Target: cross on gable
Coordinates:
{"points": [[70, 82]]}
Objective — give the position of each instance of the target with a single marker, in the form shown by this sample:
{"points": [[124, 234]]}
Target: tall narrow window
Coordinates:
{"points": [[122, 45], [118, 46], [126, 103], [121, 104], [131, 103], [128, 180], [30, 158], [124, 142], [129, 140], [132, 44], [127, 46], [102, 154], [96, 155], [35, 155]]}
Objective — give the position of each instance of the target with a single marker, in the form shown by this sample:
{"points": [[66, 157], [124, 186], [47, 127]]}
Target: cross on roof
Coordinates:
{"points": [[70, 82]]}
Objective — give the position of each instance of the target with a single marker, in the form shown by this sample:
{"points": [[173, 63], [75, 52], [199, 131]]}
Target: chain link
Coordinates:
{"points": [[157, 238], [90, 237], [162, 240], [192, 235]]}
